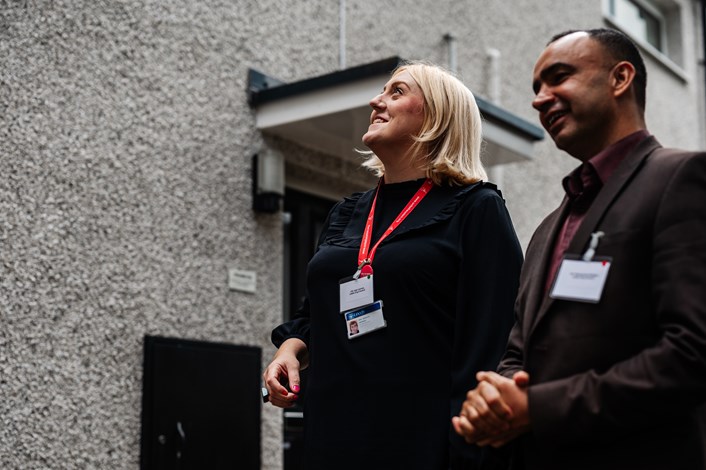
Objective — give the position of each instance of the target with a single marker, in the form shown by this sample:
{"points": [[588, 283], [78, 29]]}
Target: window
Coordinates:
{"points": [[639, 20], [655, 25]]}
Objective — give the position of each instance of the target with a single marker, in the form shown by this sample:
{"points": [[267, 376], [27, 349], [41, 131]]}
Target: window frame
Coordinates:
{"points": [[652, 11], [660, 55]]}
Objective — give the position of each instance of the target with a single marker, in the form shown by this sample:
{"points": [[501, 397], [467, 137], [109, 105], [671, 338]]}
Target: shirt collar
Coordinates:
{"points": [[601, 166]]}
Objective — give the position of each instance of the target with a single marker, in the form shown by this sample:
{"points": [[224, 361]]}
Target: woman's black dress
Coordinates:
{"points": [[448, 277]]}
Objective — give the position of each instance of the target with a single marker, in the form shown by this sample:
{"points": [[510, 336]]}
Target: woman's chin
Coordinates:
{"points": [[368, 139]]}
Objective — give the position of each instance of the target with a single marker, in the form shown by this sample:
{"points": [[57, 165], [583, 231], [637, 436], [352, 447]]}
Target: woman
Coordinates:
{"points": [[436, 247]]}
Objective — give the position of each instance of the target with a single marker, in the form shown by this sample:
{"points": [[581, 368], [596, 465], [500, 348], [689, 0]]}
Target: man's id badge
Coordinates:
{"points": [[580, 280], [355, 293], [365, 320]]}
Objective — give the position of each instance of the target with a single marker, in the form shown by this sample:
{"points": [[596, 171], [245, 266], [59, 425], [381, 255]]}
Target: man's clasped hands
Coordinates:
{"points": [[496, 411]]}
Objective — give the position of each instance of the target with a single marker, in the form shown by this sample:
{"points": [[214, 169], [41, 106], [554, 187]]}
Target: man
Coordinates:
{"points": [[606, 364]]}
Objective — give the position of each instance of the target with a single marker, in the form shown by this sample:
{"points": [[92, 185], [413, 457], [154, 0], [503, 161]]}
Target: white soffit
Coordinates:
{"points": [[330, 120], [504, 146], [321, 102], [330, 114]]}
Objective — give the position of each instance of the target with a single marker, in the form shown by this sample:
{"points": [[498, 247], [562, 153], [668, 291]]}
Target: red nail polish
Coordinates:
{"points": [[295, 388]]}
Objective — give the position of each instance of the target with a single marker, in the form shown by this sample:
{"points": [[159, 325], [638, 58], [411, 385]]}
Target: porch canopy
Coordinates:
{"points": [[330, 113]]}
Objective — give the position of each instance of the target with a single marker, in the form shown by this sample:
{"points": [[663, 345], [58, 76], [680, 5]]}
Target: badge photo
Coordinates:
{"points": [[365, 320]]}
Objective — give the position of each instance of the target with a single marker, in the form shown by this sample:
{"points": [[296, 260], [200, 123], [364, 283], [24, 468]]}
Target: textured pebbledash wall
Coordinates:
{"points": [[125, 145]]}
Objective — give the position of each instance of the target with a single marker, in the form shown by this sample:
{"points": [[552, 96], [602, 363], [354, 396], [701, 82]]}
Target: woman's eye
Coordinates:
{"points": [[397, 90]]}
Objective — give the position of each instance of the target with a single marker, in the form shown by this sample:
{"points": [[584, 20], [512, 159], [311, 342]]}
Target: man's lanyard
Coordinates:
{"points": [[365, 258]]}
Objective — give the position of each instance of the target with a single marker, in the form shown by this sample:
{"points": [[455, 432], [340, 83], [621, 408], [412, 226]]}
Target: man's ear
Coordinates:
{"points": [[622, 76]]}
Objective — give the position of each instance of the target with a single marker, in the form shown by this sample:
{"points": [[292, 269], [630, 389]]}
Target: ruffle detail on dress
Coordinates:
{"points": [[353, 209], [341, 216], [450, 208]]}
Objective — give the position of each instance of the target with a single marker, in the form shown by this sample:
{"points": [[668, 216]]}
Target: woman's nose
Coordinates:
{"points": [[377, 102]]}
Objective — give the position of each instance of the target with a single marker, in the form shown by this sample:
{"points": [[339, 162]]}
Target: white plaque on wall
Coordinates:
{"points": [[242, 280]]}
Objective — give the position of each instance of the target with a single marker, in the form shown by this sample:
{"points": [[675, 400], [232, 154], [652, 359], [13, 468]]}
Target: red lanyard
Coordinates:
{"points": [[364, 258]]}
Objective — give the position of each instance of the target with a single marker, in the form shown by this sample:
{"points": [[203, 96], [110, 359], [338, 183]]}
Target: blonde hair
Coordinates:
{"points": [[449, 143]]}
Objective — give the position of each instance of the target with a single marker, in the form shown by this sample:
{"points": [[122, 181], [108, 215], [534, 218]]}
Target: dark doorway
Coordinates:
{"points": [[200, 405], [305, 215]]}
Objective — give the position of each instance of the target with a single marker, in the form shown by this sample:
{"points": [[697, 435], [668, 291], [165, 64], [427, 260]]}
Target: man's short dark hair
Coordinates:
{"points": [[620, 48]]}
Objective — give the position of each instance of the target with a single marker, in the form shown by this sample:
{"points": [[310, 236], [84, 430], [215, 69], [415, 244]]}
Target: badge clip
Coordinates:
{"points": [[365, 269], [595, 237]]}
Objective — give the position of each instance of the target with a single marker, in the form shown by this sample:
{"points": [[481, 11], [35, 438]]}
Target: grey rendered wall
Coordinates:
{"points": [[125, 144]]}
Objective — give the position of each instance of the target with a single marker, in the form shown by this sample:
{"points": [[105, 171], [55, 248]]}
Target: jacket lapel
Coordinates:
{"points": [[537, 262], [617, 181], [615, 184]]}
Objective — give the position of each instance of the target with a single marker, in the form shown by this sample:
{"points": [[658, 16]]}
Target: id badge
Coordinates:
{"points": [[365, 320], [355, 293], [580, 280]]}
